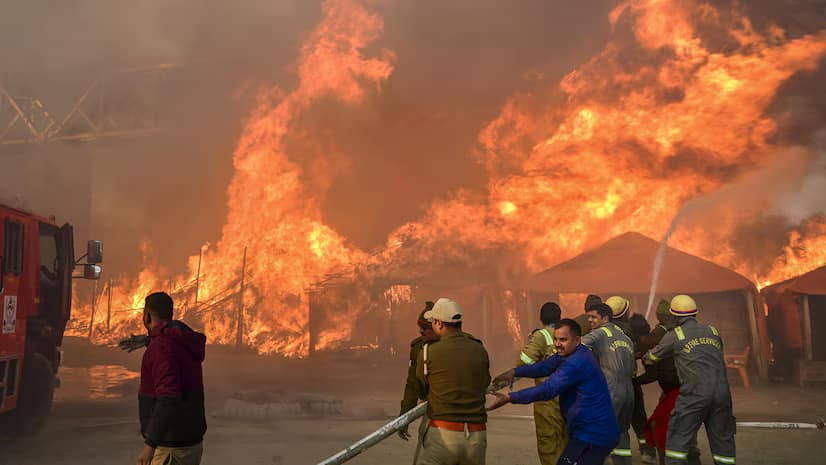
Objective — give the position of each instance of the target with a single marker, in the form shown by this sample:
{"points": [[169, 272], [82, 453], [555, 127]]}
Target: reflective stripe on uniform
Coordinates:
{"points": [[424, 358], [723, 459], [653, 357], [676, 455], [621, 452], [525, 359], [607, 331], [548, 338], [680, 333], [713, 330]]}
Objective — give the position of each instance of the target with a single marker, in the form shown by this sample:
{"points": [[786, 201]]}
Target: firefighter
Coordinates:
{"points": [[665, 374], [615, 352], [705, 396], [414, 390], [550, 426], [620, 313], [620, 308], [456, 372]]}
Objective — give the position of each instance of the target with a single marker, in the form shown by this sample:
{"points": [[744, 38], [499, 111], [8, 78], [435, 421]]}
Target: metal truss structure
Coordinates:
{"points": [[121, 104]]}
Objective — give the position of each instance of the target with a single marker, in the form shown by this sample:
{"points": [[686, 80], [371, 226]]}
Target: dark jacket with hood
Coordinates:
{"points": [[171, 396]]}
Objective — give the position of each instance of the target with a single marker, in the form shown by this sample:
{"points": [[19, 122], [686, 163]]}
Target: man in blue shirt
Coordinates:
{"points": [[574, 376]]}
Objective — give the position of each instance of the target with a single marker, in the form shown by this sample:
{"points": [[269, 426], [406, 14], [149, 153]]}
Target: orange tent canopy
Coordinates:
{"points": [[811, 283], [624, 265]]}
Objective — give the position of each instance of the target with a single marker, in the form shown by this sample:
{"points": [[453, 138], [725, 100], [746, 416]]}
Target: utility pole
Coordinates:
{"points": [[198, 275], [109, 306], [94, 301], [239, 335]]}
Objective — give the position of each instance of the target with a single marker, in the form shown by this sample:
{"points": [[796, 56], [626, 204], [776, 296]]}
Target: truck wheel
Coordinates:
{"points": [[35, 399]]}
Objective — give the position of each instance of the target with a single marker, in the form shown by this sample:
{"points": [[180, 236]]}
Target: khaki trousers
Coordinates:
{"points": [[551, 434], [178, 455], [443, 447], [420, 438]]}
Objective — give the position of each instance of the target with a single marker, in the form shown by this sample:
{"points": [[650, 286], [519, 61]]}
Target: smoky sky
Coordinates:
{"points": [[456, 63]]}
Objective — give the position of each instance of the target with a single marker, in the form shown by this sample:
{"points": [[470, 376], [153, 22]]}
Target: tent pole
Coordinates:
{"points": [[485, 318], [757, 347], [530, 311], [807, 329]]}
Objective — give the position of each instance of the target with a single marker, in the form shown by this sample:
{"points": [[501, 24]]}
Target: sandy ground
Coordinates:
{"points": [[94, 417]]}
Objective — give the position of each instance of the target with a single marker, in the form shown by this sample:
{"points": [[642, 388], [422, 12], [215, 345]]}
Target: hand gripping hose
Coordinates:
{"points": [[386, 431]]}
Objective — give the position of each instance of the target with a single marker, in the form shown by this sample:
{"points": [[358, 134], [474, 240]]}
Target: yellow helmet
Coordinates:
{"points": [[683, 305], [619, 306]]}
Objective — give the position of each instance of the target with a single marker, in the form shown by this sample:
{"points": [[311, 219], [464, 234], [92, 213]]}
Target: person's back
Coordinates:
{"points": [[171, 369], [457, 376], [615, 352], [704, 395], [171, 394], [455, 370], [698, 356]]}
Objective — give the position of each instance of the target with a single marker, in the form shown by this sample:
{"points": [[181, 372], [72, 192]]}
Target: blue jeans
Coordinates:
{"points": [[583, 453]]}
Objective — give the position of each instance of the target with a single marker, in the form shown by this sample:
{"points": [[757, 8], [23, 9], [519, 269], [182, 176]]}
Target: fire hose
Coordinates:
{"points": [[740, 424], [394, 426], [386, 431]]}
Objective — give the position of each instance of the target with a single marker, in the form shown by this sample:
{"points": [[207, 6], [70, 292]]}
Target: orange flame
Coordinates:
{"points": [[672, 109]]}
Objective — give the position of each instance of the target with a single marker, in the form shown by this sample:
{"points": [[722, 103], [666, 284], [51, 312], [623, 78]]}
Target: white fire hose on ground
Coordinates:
{"points": [[386, 431], [391, 428], [740, 424]]}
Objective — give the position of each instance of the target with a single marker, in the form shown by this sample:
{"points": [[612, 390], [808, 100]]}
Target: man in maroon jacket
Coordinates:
{"points": [[171, 396]]}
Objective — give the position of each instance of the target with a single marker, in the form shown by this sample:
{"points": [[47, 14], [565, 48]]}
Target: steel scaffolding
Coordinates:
{"points": [[120, 104]]}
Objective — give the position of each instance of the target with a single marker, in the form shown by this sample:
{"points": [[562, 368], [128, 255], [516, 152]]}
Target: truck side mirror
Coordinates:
{"points": [[94, 252], [91, 271]]}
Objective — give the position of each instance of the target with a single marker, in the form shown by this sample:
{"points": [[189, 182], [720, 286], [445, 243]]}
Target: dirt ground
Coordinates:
{"points": [[94, 416]]}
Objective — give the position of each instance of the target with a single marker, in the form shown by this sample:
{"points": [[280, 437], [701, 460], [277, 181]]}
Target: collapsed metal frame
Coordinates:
{"points": [[27, 120]]}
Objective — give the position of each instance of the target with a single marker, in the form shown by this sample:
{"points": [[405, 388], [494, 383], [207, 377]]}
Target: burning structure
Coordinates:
{"points": [[797, 309], [686, 101], [622, 266]]}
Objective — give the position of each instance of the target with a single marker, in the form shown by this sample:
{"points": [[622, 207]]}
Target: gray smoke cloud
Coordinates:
{"points": [[456, 63], [808, 197]]}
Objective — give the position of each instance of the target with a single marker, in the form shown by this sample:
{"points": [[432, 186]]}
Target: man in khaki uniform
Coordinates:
{"points": [[456, 371], [414, 390], [550, 426]]}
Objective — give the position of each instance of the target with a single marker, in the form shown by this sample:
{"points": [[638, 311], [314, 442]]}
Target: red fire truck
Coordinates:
{"points": [[37, 264]]}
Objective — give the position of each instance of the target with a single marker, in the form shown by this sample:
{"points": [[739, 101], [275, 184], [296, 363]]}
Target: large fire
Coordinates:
{"points": [[672, 109]]}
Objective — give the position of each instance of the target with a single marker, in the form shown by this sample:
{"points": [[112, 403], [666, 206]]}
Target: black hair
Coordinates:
{"points": [[574, 327], [456, 325], [639, 325], [592, 300], [550, 313], [603, 310], [159, 304]]}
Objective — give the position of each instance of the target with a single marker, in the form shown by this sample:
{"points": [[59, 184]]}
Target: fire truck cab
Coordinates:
{"points": [[37, 264]]}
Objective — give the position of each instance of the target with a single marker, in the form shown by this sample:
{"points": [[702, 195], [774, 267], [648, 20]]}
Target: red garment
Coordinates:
{"points": [[656, 428], [171, 395]]}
